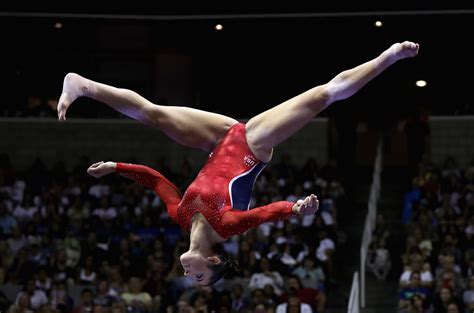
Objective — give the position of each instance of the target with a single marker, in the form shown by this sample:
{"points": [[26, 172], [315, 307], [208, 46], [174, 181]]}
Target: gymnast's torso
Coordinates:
{"points": [[221, 191], [225, 182]]}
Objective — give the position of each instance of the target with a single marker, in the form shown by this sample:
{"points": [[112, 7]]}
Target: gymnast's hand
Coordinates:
{"points": [[101, 168], [307, 206]]}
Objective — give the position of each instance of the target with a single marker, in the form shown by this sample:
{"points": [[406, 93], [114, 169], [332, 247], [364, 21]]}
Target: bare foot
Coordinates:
{"points": [[74, 86], [406, 49]]}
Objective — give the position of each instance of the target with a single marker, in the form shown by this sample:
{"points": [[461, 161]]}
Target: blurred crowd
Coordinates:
{"points": [[73, 243], [438, 248]]}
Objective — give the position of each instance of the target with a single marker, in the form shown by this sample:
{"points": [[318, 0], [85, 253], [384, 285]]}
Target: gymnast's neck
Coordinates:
{"points": [[203, 237]]}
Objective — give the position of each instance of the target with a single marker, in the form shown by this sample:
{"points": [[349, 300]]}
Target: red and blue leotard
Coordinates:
{"points": [[221, 191]]}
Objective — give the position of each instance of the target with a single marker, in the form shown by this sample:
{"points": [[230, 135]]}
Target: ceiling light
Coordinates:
{"points": [[421, 83]]}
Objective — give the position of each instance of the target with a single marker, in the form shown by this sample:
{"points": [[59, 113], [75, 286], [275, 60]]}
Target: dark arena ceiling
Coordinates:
{"points": [[263, 55]]}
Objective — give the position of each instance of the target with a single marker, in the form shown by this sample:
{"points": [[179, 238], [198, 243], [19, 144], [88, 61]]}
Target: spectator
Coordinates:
{"points": [[293, 305], [105, 297], [7, 222], [468, 295], [59, 268], [115, 280], [137, 300], [72, 248], [37, 297], [60, 300], [239, 302], [21, 305], [315, 298], [381, 263], [449, 277], [415, 305], [453, 307], [325, 252], [308, 271], [105, 211], [17, 241], [86, 305], [87, 274], [470, 266], [266, 276], [414, 288], [43, 281], [415, 265], [443, 299]]}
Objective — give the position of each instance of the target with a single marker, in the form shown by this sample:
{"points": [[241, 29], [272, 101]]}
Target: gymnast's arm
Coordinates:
{"points": [[145, 176], [236, 222]]}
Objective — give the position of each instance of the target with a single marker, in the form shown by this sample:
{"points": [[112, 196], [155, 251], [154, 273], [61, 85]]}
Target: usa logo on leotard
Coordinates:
{"points": [[249, 160]]}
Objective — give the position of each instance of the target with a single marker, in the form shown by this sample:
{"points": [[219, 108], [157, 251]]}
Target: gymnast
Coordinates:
{"points": [[216, 205]]}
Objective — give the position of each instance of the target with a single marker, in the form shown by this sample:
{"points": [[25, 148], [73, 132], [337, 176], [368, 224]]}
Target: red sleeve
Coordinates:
{"points": [[152, 179], [235, 222]]}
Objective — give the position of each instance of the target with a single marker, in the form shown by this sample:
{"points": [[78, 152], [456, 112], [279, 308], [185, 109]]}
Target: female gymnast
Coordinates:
{"points": [[216, 204]]}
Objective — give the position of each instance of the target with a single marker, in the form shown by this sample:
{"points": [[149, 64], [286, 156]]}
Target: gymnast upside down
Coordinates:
{"points": [[216, 204]]}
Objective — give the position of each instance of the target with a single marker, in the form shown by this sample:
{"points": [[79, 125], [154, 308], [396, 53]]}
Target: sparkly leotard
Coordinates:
{"points": [[221, 191]]}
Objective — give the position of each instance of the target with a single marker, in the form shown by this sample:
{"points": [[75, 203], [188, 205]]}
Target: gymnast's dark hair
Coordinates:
{"points": [[227, 267]]}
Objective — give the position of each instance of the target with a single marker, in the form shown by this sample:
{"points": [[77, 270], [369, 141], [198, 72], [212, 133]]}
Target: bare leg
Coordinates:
{"points": [[273, 126], [190, 127]]}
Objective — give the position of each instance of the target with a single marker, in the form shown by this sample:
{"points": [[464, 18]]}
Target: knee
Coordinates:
{"points": [[323, 96]]}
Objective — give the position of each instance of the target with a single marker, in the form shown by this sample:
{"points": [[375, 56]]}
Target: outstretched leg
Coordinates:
{"points": [[190, 127], [273, 126]]}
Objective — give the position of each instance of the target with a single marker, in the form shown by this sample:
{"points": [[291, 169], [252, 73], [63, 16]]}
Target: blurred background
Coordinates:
{"points": [[260, 57], [392, 165]]}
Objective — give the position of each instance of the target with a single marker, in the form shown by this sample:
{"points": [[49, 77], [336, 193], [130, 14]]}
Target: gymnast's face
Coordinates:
{"points": [[196, 266]]}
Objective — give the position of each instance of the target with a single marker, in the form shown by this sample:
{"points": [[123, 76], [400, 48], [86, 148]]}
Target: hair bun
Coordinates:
{"points": [[232, 268]]}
